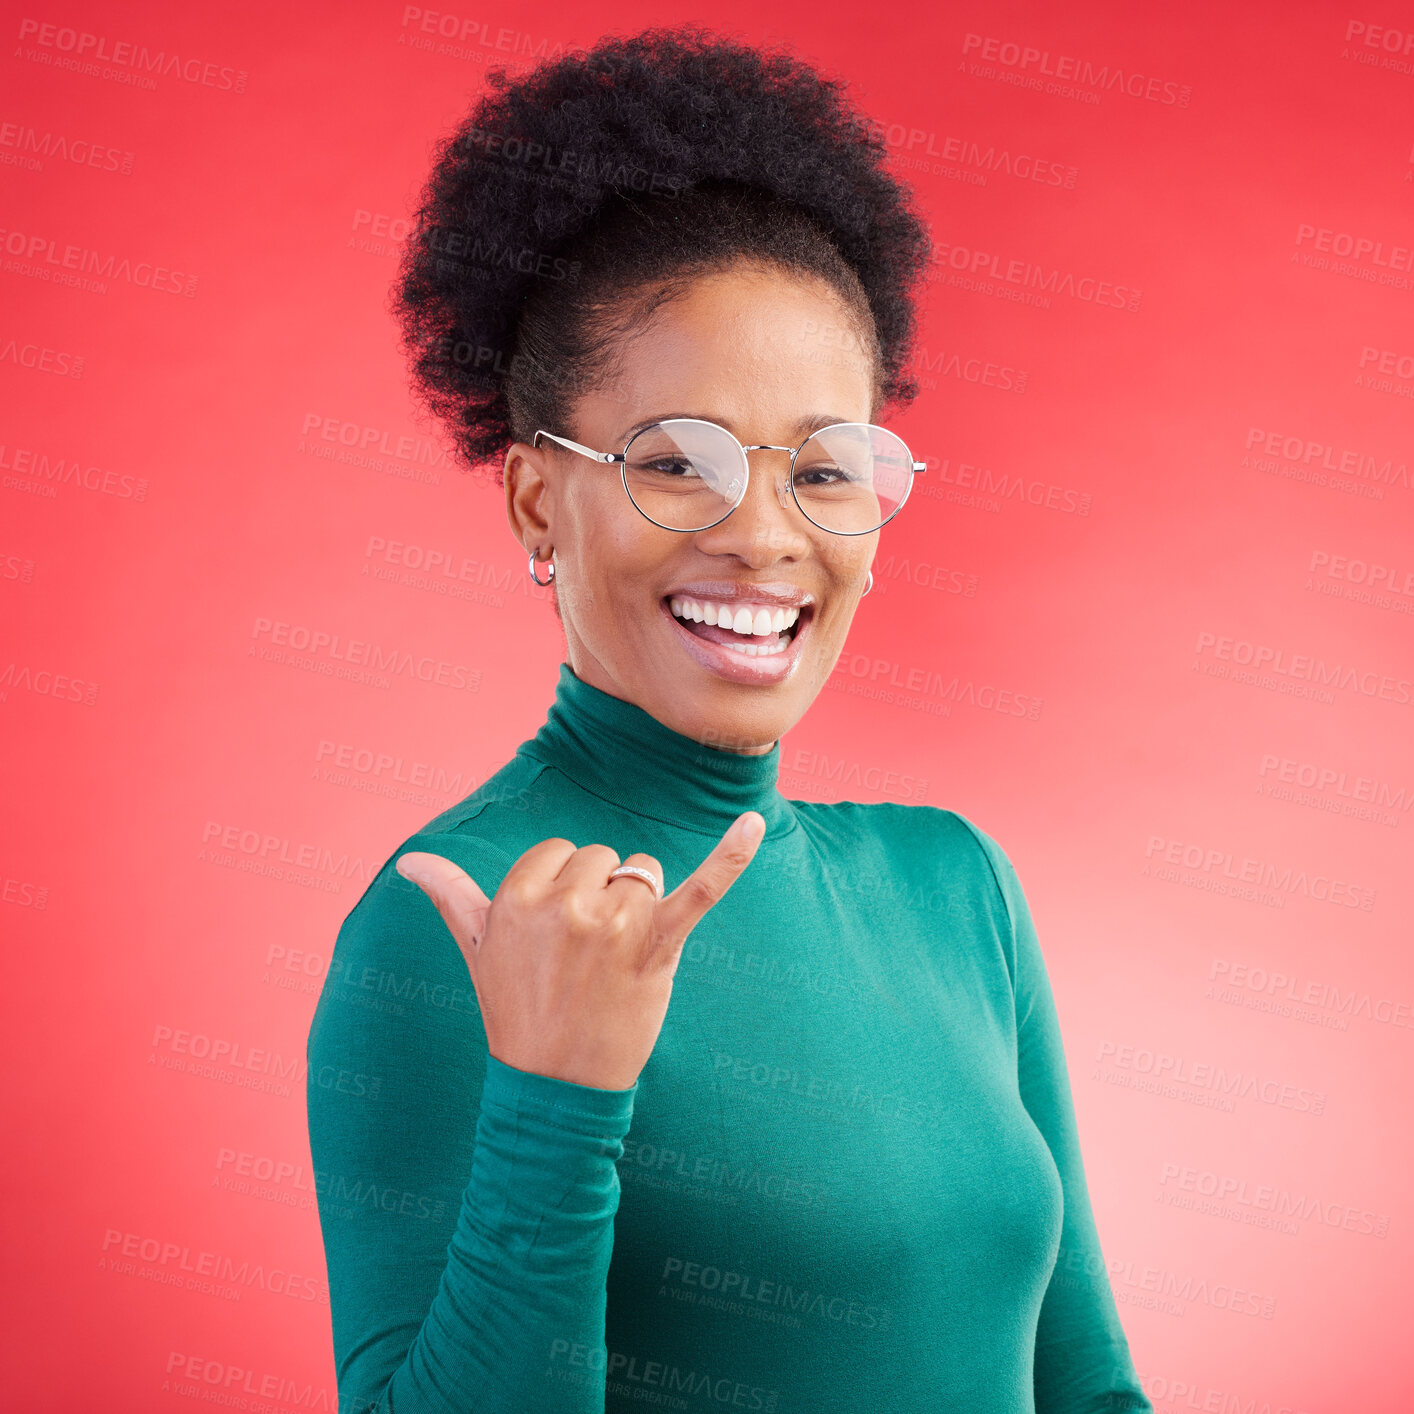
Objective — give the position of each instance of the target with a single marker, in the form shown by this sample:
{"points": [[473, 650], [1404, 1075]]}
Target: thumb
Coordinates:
{"points": [[455, 893], [682, 910]]}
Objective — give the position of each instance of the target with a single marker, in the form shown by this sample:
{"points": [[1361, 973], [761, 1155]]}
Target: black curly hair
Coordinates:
{"points": [[574, 200]]}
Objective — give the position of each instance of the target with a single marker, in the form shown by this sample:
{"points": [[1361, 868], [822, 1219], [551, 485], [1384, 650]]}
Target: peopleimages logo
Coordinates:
{"points": [[98, 56], [1355, 574], [324, 651], [44, 257], [41, 359], [1308, 453], [1222, 864], [1272, 1199], [1164, 1073], [178, 1264], [920, 149], [24, 146], [989, 272], [1038, 64], [1271, 665], [1335, 781], [858, 670], [725, 1289], [235, 1386]]}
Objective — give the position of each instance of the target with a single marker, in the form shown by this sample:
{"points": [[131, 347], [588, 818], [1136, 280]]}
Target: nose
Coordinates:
{"points": [[764, 525], [769, 467]]}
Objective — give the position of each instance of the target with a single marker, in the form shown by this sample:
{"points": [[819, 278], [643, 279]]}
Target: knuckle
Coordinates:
{"points": [[700, 893], [618, 926], [521, 893], [579, 913], [662, 958], [738, 856]]}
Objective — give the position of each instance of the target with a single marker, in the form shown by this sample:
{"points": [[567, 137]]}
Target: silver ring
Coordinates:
{"points": [[542, 582], [635, 872]]}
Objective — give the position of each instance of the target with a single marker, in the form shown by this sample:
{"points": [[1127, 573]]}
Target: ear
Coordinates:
{"points": [[527, 494]]}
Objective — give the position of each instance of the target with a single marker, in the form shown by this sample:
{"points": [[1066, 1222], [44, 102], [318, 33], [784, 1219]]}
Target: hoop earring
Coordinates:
{"points": [[868, 583], [542, 582]]}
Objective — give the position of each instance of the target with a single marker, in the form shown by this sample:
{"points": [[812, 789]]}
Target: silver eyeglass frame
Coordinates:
{"points": [[621, 459]]}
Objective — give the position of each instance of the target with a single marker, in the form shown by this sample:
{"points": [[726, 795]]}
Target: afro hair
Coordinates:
{"points": [[574, 199]]}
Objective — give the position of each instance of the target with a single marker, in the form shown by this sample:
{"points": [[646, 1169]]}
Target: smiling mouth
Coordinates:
{"points": [[754, 632]]}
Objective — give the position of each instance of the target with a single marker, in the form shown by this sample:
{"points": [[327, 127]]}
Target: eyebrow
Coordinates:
{"points": [[811, 422]]}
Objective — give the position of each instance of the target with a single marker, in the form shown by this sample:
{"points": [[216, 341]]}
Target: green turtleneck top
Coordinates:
{"points": [[847, 1179]]}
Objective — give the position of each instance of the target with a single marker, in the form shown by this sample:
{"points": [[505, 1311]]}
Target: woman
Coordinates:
{"points": [[842, 1171]]}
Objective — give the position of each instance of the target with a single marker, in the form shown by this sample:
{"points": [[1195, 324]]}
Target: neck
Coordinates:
{"points": [[589, 670], [743, 750], [616, 750]]}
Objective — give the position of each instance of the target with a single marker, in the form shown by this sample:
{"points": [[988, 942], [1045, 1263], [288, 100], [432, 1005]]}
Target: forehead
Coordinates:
{"points": [[752, 343]]}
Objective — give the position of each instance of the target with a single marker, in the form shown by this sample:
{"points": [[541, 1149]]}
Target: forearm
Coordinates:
{"points": [[504, 1311], [518, 1321]]}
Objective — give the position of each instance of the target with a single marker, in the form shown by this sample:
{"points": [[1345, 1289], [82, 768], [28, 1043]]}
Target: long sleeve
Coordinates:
{"points": [[1082, 1361], [467, 1207]]}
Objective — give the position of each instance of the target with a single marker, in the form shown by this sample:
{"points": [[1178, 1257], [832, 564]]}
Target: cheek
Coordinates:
{"points": [[633, 557], [846, 560], [848, 572], [617, 556]]}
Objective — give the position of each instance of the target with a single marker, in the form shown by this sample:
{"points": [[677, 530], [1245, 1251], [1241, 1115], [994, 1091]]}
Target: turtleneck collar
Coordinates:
{"points": [[619, 752]]}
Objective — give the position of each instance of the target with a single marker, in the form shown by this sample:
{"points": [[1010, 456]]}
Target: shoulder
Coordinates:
{"points": [[944, 836], [479, 833], [515, 790], [926, 841], [396, 972]]}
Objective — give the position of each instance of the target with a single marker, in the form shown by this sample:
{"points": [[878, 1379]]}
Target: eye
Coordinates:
{"points": [[822, 474], [676, 467]]}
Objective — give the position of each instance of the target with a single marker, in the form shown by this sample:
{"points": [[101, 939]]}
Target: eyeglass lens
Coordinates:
{"points": [[686, 475]]}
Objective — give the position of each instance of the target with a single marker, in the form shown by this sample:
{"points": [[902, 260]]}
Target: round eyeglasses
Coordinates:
{"points": [[685, 473]]}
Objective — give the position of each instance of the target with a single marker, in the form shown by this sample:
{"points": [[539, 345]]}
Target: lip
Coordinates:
{"points": [[777, 593], [725, 662]]}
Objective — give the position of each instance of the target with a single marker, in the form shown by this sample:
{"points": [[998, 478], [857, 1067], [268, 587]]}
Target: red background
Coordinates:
{"points": [[1133, 503]]}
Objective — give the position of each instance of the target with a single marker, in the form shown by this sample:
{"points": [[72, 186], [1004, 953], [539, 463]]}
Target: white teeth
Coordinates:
{"points": [[753, 621]]}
